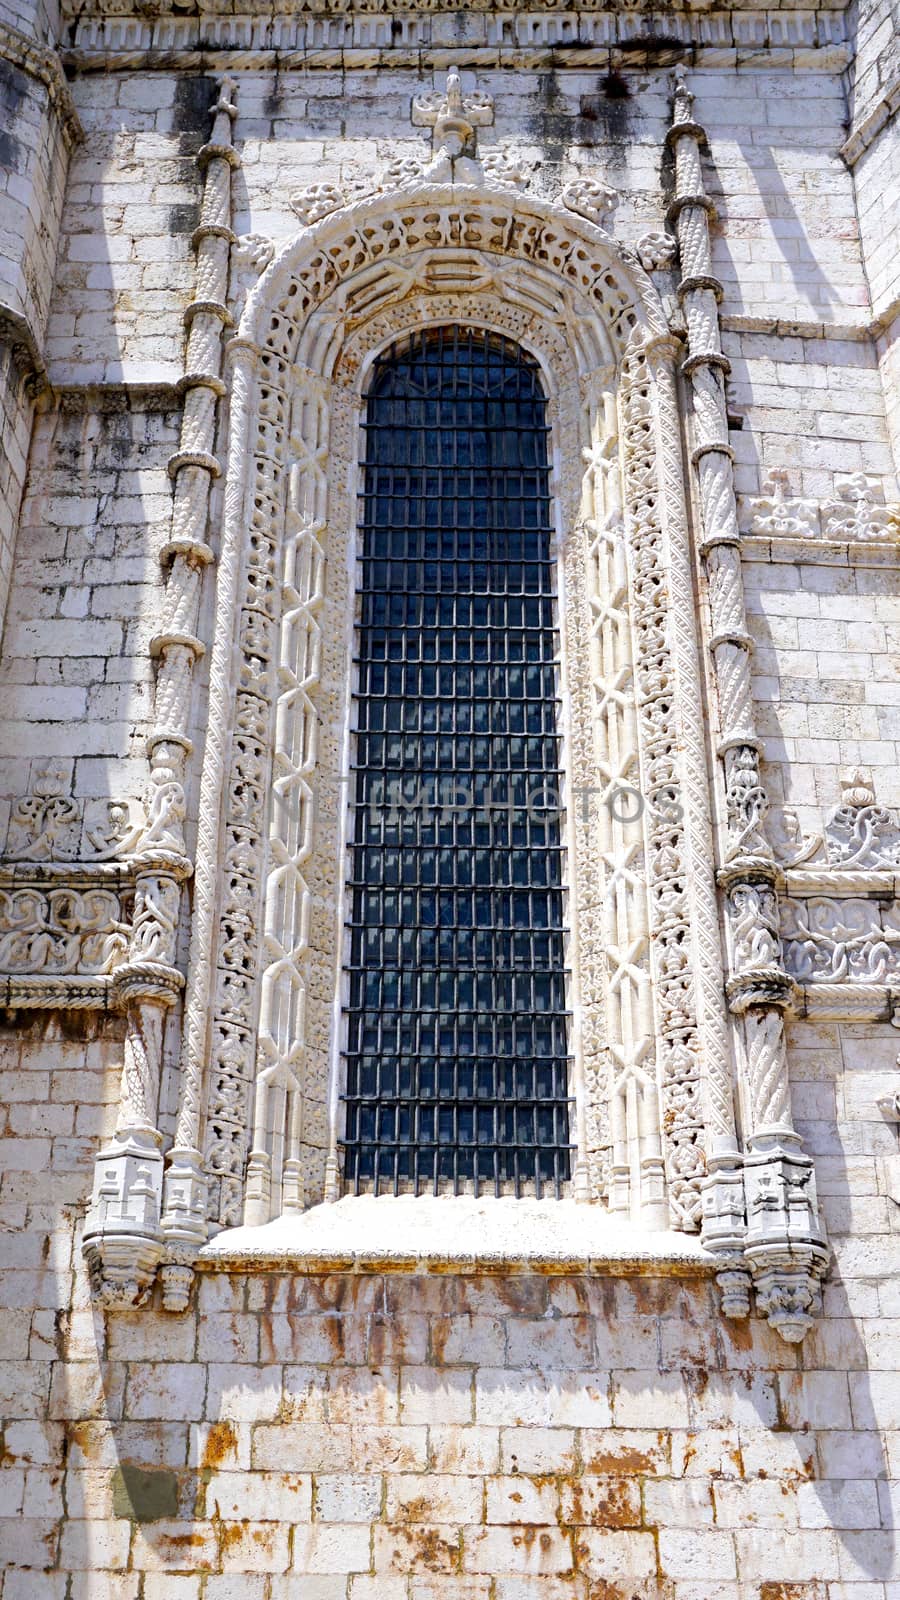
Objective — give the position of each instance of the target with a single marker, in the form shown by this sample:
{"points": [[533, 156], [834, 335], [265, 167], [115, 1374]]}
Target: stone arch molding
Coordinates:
{"points": [[652, 1073]]}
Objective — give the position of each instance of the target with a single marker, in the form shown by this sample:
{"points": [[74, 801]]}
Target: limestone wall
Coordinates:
{"points": [[339, 1435], [444, 1437]]}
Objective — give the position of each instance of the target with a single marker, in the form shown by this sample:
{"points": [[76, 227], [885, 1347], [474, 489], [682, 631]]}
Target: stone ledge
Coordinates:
{"points": [[820, 552], [461, 1234]]}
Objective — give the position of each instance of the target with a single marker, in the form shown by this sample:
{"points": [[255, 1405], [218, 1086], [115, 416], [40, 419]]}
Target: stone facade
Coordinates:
{"points": [[219, 1377]]}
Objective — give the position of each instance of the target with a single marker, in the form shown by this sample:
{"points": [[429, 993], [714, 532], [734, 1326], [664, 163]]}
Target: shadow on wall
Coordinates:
{"points": [[816, 298]]}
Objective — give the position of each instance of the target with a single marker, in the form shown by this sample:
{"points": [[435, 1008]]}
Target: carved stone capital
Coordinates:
{"points": [[763, 988]]}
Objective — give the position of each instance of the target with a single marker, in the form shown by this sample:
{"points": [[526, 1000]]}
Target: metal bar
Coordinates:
{"points": [[457, 1063]]}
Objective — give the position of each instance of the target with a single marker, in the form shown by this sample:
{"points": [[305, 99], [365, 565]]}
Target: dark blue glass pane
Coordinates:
{"points": [[457, 1068]]}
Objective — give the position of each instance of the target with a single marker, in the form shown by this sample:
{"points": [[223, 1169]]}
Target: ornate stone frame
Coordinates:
{"points": [[90, 899], [653, 1075]]}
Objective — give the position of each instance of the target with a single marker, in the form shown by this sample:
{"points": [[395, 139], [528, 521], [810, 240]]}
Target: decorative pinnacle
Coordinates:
{"points": [[684, 99], [226, 100], [454, 116]]}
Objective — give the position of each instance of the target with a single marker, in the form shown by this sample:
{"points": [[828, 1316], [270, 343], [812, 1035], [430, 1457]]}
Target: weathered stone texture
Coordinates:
{"points": [[608, 1436], [471, 1435], [15, 435]]}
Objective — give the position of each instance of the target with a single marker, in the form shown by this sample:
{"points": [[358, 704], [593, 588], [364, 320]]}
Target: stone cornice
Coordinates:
{"points": [[425, 37], [666, 17], [46, 66]]}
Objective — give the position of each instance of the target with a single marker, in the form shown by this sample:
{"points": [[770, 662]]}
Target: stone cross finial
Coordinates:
{"points": [[453, 116]]}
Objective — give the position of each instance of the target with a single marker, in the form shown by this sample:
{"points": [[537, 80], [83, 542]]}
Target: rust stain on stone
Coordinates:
{"points": [[424, 1547], [791, 1591], [418, 1510], [603, 1503], [221, 1442], [738, 1331], [626, 1460]]}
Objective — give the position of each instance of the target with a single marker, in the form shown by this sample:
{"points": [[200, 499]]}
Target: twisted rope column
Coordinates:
{"points": [[784, 1244], [192, 469], [130, 1227]]}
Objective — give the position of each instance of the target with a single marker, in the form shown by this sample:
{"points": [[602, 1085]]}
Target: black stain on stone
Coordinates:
{"points": [[274, 101], [653, 49], [144, 1495], [609, 110], [551, 126], [603, 118], [12, 155], [195, 96], [13, 88], [182, 218]]}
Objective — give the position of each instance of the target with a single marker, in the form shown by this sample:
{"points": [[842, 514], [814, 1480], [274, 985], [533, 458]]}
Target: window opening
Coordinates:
{"points": [[457, 1057]]}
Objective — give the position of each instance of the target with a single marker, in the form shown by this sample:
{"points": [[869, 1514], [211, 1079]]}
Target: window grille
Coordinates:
{"points": [[456, 1060]]}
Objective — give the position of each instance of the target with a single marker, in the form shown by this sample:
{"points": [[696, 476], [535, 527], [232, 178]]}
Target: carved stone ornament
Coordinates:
{"points": [[841, 941], [782, 1240], [251, 253], [776, 514], [501, 168], [857, 515], [858, 512], [454, 117], [320, 199], [51, 825], [859, 835], [656, 251], [590, 198], [124, 1236], [654, 1123], [257, 1131]]}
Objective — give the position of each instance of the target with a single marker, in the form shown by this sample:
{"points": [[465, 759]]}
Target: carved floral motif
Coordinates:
{"points": [[841, 941], [777, 514], [251, 253], [62, 930], [857, 514], [590, 198], [320, 199], [656, 251], [859, 833]]}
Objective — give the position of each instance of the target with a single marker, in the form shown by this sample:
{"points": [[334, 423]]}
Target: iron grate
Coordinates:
{"points": [[456, 1062]]}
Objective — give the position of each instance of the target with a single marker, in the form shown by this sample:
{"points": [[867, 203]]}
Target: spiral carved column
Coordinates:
{"points": [[782, 1241], [193, 469], [131, 1227]]}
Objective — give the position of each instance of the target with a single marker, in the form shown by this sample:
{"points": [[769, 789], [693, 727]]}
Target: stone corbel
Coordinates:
{"points": [[122, 1241]]}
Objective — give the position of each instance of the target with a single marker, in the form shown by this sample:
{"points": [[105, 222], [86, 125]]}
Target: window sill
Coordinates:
{"points": [[465, 1235]]}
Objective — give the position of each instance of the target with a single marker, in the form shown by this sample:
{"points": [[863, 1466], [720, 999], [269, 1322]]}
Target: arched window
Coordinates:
{"points": [[457, 1071]]}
